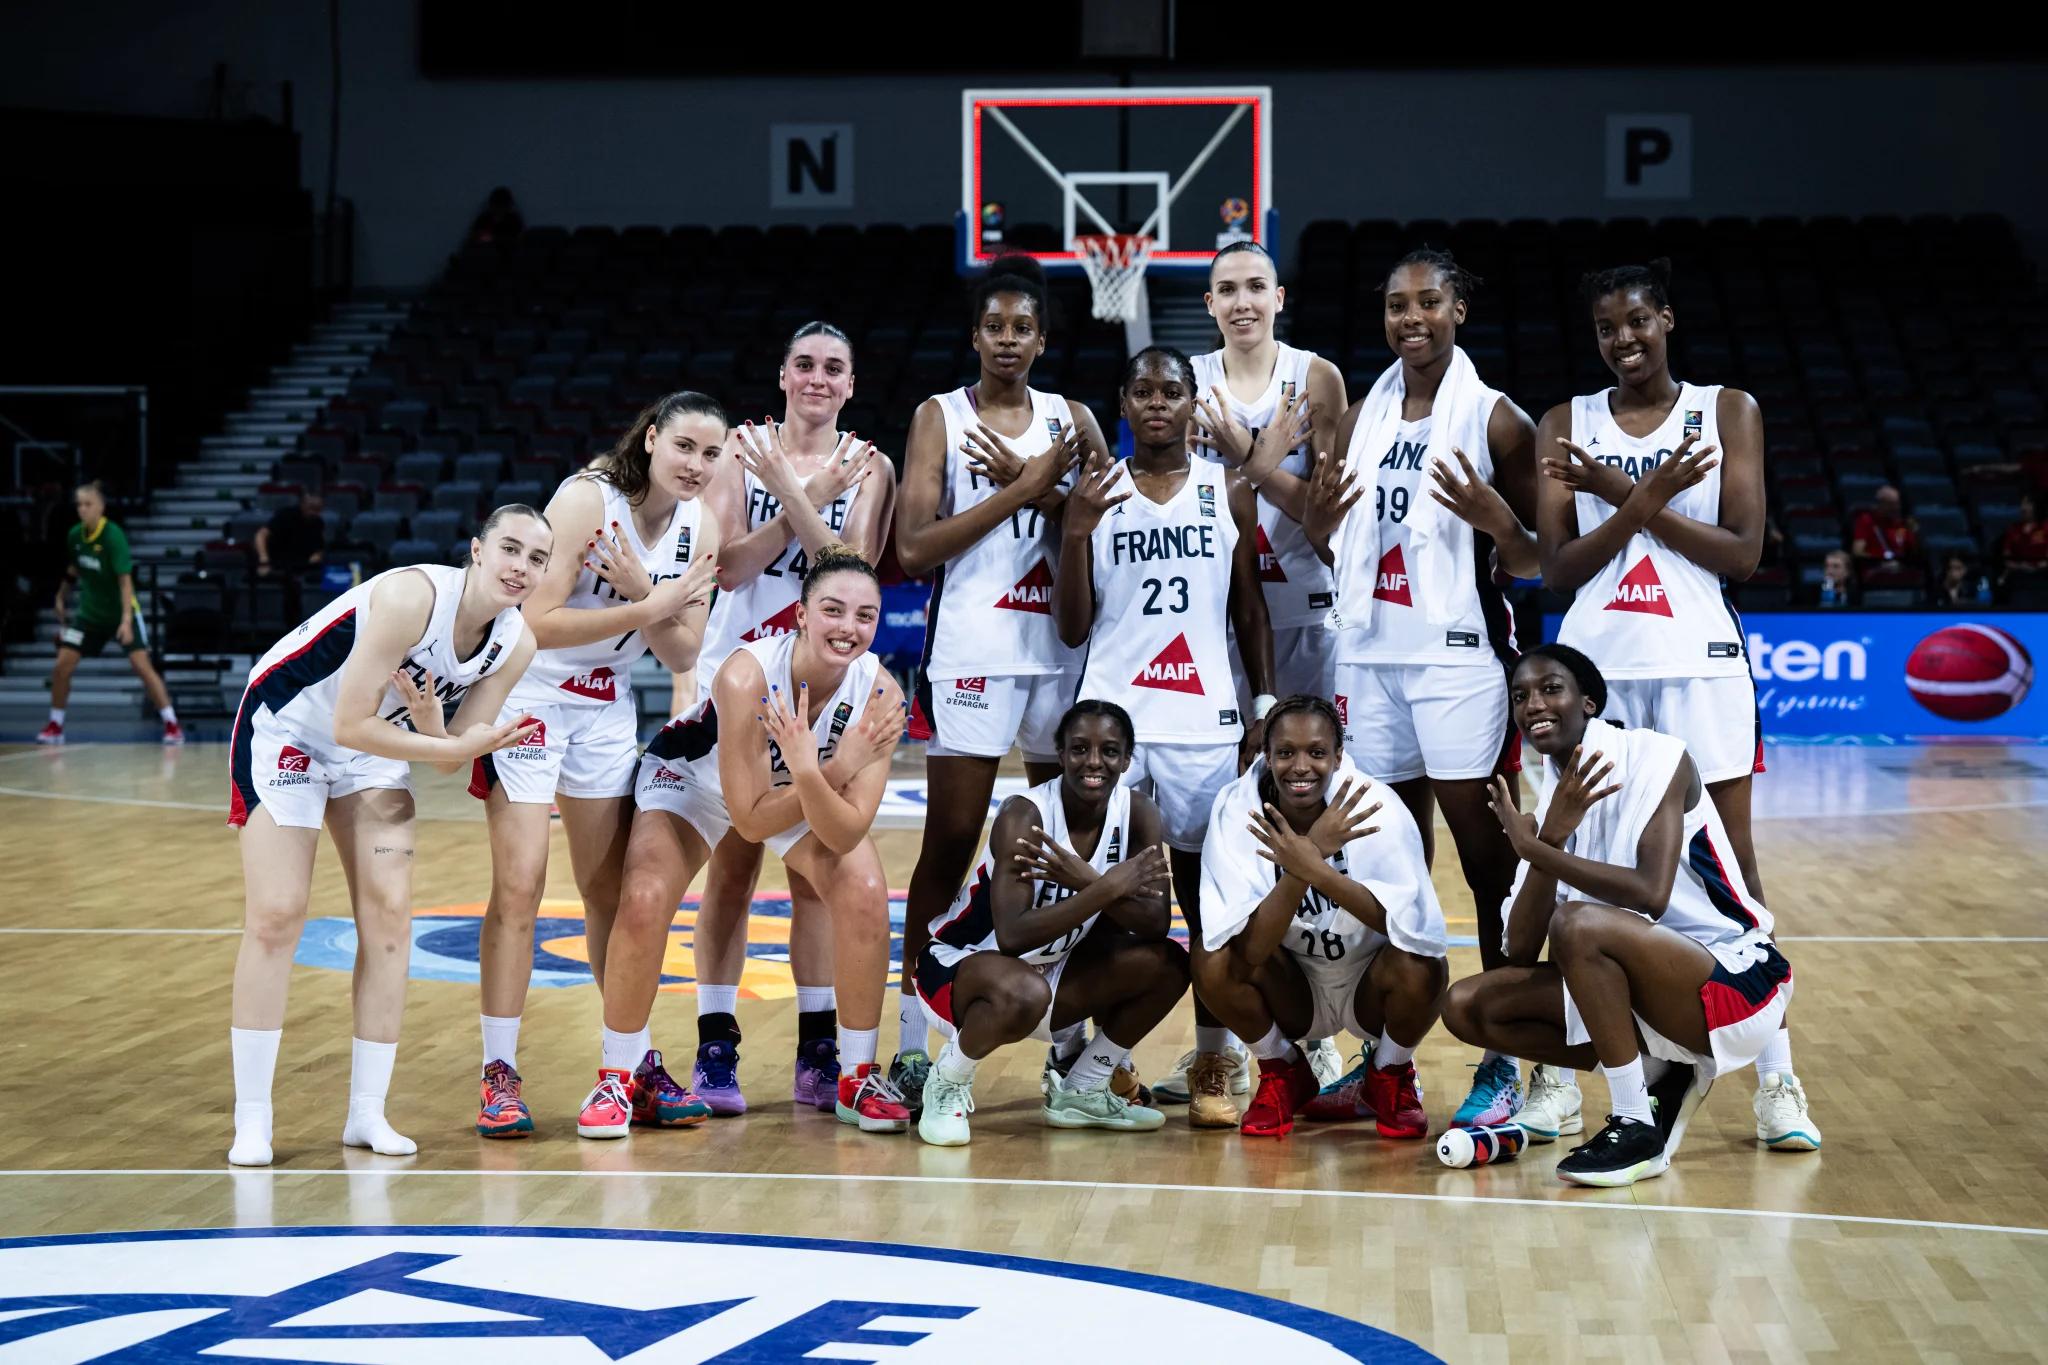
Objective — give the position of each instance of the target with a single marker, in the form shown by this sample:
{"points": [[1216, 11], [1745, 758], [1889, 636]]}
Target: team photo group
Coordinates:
{"points": [[1253, 655]]}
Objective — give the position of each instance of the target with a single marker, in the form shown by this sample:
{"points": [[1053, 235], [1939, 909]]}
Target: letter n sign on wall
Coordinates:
{"points": [[810, 165], [1649, 156]]}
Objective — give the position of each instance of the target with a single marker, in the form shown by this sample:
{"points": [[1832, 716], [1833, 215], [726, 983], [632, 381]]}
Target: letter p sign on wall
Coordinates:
{"points": [[810, 165], [1649, 156]]}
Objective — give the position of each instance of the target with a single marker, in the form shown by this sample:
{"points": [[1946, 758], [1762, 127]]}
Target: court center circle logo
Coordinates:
{"points": [[560, 1294]]}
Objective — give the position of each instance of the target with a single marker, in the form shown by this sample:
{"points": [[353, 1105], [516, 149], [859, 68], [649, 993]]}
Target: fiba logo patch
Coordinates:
{"points": [[682, 545], [558, 1294], [294, 767], [1969, 672]]}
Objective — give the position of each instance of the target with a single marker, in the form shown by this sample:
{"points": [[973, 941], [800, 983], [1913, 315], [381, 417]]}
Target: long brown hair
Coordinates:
{"points": [[624, 466]]}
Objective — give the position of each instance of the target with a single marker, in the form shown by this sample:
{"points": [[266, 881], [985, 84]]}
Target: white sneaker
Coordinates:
{"points": [[1553, 1105], [1326, 1061], [1782, 1123], [1173, 1088], [946, 1107]]}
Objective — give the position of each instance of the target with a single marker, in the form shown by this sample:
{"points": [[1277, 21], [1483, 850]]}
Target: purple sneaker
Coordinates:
{"points": [[717, 1079], [817, 1074]]}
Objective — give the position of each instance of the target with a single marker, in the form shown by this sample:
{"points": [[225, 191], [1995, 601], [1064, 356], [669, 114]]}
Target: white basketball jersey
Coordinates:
{"points": [[1159, 646], [1651, 612], [969, 925], [600, 672], [1297, 584], [764, 605], [299, 677], [1325, 937], [991, 606]]}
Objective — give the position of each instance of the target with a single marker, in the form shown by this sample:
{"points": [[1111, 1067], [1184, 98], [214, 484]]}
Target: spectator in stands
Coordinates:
{"points": [[1884, 534], [1960, 585], [294, 541], [2024, 550], [500, 220], [1837, 583]]}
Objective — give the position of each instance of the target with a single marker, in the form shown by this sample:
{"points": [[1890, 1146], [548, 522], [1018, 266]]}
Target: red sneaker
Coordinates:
{"points": [[608, 1111], [1284, 1087], [174, 733], [53, 733], [1397, 1101], [866, 1098]]}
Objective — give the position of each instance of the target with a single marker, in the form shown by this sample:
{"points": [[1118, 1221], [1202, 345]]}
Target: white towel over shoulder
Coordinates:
{"points": [[1235, 877]]}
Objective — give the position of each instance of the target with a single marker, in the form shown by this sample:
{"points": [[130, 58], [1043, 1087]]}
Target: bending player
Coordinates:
{"points": [[333, 715], [1655, 944], [791, 749], [984, 471], [1158, 562], [1316, 920], [796, 487], [1653, 500], [1064, 921], [639, 582]]}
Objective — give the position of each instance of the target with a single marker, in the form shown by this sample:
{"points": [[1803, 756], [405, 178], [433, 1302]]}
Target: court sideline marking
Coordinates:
{"points": [[1781, 938], [1107, 1186]]}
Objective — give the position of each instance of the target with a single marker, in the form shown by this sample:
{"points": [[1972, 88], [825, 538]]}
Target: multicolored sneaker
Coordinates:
{"points": [[866, 1098], [504, 1114], [1285, 1085], [174, 733], [658, 1102], [817, 1074], [715, 1079], [908, 1073], [607, 1110], [1097, 1108], [1396, 1101], [1344, 1100], [1496, 1095], [53, 733]]}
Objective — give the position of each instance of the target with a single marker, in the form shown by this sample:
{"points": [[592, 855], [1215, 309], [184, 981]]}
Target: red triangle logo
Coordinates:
{"points": [[1391, 583], [781, 623], [1172, 671], [1641, 590], [1032, 593], [597, 685], [1269, 563], [538, 739]]}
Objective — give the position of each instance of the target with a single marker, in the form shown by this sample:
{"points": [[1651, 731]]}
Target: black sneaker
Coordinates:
{"points": [[907, 1073], [1625, 1151], [1673, 1098]]}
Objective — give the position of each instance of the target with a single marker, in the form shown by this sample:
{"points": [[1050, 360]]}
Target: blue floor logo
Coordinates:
{"points": [[558, 1294]]}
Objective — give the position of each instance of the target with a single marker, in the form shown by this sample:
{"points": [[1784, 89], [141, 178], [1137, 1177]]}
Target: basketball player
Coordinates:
{"points": [[639, 582], [1158, 561], [1444, 474], [985, 469], [105, 575], [1316, 922], [334, 713], [1654, 943], [791, 749], [1020, 954], [796, 487], [1653, 500]]}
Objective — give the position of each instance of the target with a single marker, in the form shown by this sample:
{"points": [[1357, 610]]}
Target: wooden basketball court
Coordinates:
{"points": [[1907, 888]]}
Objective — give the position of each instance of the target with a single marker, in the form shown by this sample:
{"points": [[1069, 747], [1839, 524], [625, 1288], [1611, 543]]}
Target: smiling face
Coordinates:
{"points": [[1158, 403], [1631, 331], [681, 455], [839, 615], [510, 557], [1422, 314], [1549, 708], [1244, 297], [817, 378], [1009, 335], [1094, 752], [1302, 751]]}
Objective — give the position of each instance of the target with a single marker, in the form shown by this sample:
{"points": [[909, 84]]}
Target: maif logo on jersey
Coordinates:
{"points": [[1172, 671], [1641, 590], [1390, 584], [1032, 593], [781, 623], [387, 1295], [598, 684], [1269, 562]]}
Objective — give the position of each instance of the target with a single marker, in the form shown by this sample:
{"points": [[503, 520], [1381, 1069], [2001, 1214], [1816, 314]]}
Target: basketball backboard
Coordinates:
{"points": [[1190, 167]]}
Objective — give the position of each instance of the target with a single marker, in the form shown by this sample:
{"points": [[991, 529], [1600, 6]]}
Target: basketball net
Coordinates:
{"points": [[1115, 265]]}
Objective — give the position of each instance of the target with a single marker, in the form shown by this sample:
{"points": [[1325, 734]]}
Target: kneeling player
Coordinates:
{"points": [[1021, 953], [1656, 945], [1316, 921]]}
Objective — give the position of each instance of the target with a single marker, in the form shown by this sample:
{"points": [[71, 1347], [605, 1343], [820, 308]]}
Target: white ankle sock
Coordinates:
{"points": [[1629, 1091], [623, 1051], [1387, 1053], [1490, 1055], [501, 1039], [717, 999], [369, 1082], [955, 1065], [812, 999], [1101, 1056], [915, 1029], [857, 1046], [57, 715], [1274, 1046], [1776, 1058], [1218, 1039], [167, 715]]}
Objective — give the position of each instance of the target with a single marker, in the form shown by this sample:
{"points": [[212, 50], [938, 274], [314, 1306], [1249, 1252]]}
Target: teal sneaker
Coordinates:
{"points": [[1098, 1108], [1496, 1095]]}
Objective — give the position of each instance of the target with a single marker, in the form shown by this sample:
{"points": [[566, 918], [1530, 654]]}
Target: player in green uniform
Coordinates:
{"points": [[105, 610]]}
